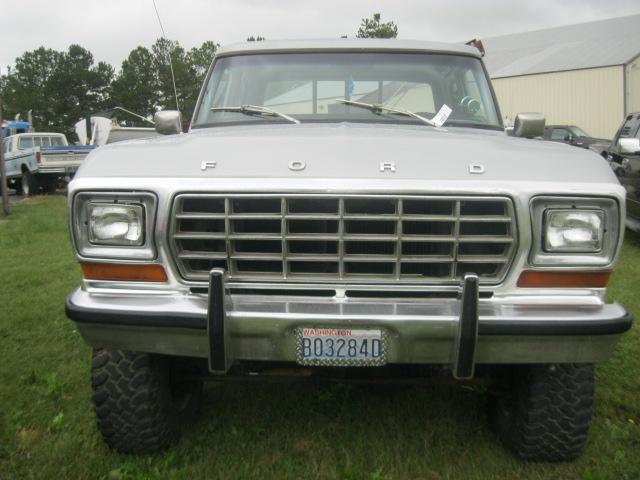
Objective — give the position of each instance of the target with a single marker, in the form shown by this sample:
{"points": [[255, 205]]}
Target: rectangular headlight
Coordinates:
{"points": [[116, 224], [573, 231]]}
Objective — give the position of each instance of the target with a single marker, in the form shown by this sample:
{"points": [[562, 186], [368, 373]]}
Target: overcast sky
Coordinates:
{"points": [[110, 29]]}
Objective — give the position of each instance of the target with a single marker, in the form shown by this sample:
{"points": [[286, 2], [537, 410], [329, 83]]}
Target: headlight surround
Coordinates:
{"points": [[114, 225], [570, 230], [574, 231]]}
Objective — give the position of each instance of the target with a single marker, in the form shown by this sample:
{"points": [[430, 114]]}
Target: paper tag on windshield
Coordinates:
{"points": [[442, 115]]}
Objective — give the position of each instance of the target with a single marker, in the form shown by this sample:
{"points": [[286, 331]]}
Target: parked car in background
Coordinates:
{"points": [[623, 154], [110, 126], [120, 134], [571, 135], [40, 161], [13, 127]]}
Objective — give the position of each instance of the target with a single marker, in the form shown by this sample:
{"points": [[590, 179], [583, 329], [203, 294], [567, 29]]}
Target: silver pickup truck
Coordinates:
{"points": [[41, 161], [347, 210]]}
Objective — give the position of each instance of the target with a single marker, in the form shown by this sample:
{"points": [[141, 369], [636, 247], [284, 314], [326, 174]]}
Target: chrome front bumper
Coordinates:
{"points": [[424, 331]]}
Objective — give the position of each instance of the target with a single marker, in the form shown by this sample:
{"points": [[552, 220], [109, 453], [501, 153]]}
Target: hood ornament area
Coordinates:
{"points": [[387, 167], [297, 165], [476, 168]]}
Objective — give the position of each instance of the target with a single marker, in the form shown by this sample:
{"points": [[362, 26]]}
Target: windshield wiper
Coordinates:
{"points": [[256, 109], [437, 121]]}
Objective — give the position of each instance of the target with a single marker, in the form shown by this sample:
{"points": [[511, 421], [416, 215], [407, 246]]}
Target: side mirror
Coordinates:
{"points": [[568, 138], [629, 146], [168, 122], [529, 125]]}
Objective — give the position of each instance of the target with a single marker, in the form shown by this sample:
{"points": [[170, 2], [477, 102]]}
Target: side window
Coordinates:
{"points": [[25, 142], [37, 141], [558, 133], [5, 145], [56, 141], [630, 127]]}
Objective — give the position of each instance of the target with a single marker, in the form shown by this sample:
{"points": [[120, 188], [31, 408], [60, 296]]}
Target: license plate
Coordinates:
{"points": [[341, 347]]}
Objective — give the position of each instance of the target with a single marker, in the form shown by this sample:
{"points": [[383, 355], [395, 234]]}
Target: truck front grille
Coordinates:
{"points": [[334, 238]]}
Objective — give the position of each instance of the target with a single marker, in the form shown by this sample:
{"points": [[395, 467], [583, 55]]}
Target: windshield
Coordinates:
{"points": [[578, 132], [309, 88]]}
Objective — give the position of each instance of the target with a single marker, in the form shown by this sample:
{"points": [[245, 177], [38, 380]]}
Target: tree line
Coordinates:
{"points": [[61, 87]]}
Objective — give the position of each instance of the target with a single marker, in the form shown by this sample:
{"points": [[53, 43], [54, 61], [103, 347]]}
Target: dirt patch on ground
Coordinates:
{"points": [[28, 437], [35, 199]]}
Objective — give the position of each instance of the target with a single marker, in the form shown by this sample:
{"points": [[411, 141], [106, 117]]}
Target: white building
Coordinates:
{"points": [[586, 74]]}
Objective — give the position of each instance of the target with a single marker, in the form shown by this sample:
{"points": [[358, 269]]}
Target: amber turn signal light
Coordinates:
{"points": [[124, 272], [538, 279]]}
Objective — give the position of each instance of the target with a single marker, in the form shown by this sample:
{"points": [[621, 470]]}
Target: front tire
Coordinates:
{"points": [[28, 184], [545, 413], [137, 402], [16, 184]]}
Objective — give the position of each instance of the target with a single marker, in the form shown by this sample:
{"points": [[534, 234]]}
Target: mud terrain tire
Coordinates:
{"points": [[545, 412], [138, 405]]}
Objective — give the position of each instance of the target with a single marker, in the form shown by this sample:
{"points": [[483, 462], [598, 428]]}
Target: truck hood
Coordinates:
{"points": [[348, 151]]}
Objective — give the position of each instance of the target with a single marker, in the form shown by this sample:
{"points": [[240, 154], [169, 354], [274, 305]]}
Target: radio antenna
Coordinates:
{"points": [[173, 77]]}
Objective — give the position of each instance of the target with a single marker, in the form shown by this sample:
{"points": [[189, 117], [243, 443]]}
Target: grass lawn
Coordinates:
{"points": [[47, 427]]}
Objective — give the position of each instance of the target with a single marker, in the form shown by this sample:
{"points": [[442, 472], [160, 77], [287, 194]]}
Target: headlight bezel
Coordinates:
{"points": [[80, 225], [602, 258]]}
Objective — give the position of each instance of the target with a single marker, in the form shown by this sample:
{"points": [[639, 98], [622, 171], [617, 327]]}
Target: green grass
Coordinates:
{"points": [[47, 428]]}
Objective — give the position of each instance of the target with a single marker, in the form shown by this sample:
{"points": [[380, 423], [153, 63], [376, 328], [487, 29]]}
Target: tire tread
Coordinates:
{"points": [[132, 400], [548, 413]]}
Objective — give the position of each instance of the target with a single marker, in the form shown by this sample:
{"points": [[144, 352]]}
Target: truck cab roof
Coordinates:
{"points": [[347, 44], [39, 134]]}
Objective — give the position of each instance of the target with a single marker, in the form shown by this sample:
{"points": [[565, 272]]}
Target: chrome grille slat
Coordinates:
{"points": [[456, 237], [283, 231], [201, 256], [200, 216], [199, 235], [311, 217], [341, 239], [426, 258], [398, 259], [482, 259], [376, 238], [312, 258], [255, 256], [484, 239], [255, 216], [485, 219]]}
